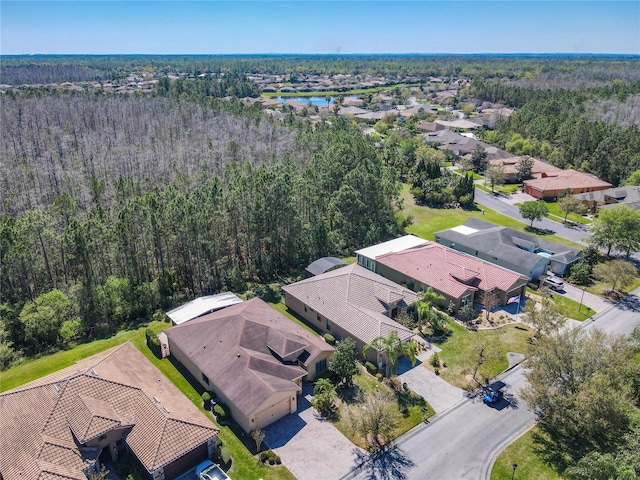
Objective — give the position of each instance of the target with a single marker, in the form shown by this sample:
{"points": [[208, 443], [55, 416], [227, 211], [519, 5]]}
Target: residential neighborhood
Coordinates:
{"points": [[317, 272]]}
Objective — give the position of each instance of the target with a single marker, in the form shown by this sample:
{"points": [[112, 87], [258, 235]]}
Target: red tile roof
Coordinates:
{"points": [[43, 422], [563, 179], [449, 271]]}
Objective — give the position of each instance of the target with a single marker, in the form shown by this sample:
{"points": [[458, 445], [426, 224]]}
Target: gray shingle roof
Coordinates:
{"points": [[355, 299], [505, 243]]}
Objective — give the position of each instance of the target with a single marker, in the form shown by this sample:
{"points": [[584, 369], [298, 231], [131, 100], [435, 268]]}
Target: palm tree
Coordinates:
{"points": [[392, 347]]}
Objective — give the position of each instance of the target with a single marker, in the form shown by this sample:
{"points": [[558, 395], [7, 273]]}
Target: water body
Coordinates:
{"points": [[320, 101]]}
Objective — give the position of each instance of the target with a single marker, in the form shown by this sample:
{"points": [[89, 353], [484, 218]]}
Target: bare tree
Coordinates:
{"points": [[489, 300]]}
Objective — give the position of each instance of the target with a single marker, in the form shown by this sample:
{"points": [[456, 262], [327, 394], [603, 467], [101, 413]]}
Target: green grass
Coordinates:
{"points": [[600, 288], [244, 463], [554, 210], [33, 369], [505, 189], [364, 382], [457, 347], [427, 220], [569, 308], [530, 465]]}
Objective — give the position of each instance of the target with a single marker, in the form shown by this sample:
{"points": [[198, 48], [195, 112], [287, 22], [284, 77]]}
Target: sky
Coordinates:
{"points": [[299, 26]]}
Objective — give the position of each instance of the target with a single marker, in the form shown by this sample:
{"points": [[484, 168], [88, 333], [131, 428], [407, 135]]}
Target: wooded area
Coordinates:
{"points": [[130, 204]]}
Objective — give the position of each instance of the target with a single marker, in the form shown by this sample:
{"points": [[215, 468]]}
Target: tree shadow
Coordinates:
{"points": [[630, 302], [351, 394], [552, 453], [538, 231], [388, 463]]}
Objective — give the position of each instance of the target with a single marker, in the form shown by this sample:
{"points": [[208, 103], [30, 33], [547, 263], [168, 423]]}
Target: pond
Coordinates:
{"points": [[320, 101]]}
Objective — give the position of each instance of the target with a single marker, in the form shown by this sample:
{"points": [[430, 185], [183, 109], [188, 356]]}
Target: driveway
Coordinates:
{"points": [[440, 394], [590, 300], [308, 445]]}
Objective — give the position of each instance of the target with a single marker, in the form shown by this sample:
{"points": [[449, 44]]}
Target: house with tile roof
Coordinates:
{"points": [[354, 302], [459, 277], [252, 357], [551, 184], [62, 426], [518, 251], [511, 164]]}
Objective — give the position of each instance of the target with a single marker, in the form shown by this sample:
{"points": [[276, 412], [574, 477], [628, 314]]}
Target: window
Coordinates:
{"points": [[465, 300], [328, 324], [205, 379], [321, 366], [318, 317], [305, 308]]}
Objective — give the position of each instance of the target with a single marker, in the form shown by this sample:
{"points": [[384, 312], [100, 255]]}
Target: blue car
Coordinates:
{"points": [[208, 470], [493, 393]]}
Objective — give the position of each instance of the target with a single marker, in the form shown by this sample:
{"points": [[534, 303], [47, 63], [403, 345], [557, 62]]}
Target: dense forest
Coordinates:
{"points": [[115, 206], [592, 129], [542, 70]]}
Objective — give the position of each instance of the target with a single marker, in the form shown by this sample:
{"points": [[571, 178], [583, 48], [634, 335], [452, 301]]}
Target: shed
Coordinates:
{"points": [[324, 264]]}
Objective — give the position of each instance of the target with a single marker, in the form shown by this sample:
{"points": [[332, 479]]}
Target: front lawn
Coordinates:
{"points": [[600, 288], [569, 308], [458, 347], [410, 406], [554, 210], [530, 464]]}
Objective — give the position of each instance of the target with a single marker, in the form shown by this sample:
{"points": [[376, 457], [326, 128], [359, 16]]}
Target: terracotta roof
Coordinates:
{"points": [[238, 348], [566, 179], [355, 299], [449, 271], [538, 167], [46, 423]]}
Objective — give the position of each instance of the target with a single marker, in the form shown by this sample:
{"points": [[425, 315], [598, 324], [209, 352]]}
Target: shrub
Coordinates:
{"points": [[206, 400], [436, 371], [330, 339], [435, 360], [371, 368], [225, 455], [468, 312], [271, 457], [153, 342], [221, 412], [379, 376]]}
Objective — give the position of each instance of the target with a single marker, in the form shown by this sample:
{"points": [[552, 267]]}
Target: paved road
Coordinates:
{"points": [[578, 235], [463, 442]]}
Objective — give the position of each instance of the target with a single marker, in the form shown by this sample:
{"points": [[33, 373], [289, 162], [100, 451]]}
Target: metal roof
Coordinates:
{"points": [[392, 246], [324, 264], [202, 305]]}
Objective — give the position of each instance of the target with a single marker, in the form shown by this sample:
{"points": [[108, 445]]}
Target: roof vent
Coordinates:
{"points": [[155, 399], [57, 387], [165, 410], [238, 355], [94, 373]]}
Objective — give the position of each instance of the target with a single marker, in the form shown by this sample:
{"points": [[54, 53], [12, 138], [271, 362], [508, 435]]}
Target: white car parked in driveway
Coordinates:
{"points": [[553, 283]]}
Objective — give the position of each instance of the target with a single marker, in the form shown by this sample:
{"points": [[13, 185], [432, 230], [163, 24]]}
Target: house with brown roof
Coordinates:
{"points": [[354, 302], [459, 277], [511, 168], [252, 356], [551, 184], [61, 426]]}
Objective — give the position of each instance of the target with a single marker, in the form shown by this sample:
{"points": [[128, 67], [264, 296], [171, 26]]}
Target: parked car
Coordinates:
{"points": [[553, 283], [208, 470], [493, 393]]}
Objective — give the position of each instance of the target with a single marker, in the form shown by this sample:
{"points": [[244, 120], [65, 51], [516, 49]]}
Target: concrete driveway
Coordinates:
{"points": [[308, 445], [440, 394], [590, 300]]}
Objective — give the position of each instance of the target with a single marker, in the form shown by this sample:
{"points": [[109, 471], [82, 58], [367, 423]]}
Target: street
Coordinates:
{"points": [[463, 442]]}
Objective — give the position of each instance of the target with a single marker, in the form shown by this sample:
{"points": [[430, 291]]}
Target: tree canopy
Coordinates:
{"points": [[534, 210]]}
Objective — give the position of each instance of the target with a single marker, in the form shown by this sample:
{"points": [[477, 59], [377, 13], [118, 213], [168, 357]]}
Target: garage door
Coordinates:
{"points": [[273, 413], [186, 462]]}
